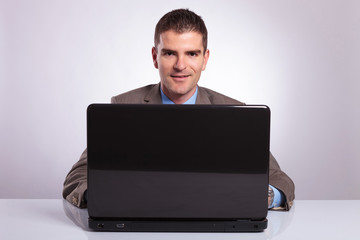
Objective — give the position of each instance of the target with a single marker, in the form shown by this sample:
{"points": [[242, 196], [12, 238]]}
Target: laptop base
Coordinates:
{"points": [[177, 225]]}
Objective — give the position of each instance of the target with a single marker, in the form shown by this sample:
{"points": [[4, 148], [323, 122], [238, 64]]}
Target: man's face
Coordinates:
{"points": [[180, 59]]}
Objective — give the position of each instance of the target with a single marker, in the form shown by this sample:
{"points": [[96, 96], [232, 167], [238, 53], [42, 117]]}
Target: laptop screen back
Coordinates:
{"points": [[178, 162]]}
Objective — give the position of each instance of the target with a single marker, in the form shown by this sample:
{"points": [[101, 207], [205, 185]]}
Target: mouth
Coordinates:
{"points": [[179, 77]]}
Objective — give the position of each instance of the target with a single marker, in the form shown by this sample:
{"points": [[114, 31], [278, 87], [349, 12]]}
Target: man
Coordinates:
{"points": [[180, 54]]}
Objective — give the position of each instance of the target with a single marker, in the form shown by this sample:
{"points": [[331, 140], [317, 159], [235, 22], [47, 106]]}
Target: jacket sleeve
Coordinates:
{"points": [[75, 183], [282, 182]]}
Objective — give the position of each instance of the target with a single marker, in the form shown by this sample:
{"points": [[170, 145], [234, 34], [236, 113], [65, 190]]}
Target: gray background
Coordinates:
{"points": [[298, 57]]}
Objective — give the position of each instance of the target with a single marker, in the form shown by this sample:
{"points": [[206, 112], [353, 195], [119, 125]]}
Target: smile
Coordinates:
{"points": [[180, 77]]}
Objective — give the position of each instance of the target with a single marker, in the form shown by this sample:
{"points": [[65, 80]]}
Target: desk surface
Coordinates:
{"points": [[57, 219]]}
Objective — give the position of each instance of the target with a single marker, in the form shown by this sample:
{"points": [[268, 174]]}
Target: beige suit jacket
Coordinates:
{"points": [[76, 181]]}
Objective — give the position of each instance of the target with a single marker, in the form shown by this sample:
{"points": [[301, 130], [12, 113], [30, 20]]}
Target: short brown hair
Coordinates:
{"points": [[180, 21]]}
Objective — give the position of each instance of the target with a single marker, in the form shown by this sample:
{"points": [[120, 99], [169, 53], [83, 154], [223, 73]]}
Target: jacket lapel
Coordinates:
{"points": [[153, 96], [202, 97]]}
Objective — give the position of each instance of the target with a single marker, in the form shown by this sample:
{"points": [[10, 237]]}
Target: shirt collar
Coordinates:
{"points": [[166, 100]]}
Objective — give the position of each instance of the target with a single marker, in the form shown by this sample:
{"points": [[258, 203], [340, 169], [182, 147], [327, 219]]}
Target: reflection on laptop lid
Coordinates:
{"points": [[178, 167]]}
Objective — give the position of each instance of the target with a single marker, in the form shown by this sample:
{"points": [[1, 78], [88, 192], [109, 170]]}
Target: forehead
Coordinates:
{"points": [[177, 41]]}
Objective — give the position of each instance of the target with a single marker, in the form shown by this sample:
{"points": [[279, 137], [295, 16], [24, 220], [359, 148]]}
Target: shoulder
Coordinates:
{"points": [[207, 95], [135, 96]]}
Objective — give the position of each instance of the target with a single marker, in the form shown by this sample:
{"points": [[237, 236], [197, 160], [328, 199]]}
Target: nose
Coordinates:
{"points": [[180, 63]]}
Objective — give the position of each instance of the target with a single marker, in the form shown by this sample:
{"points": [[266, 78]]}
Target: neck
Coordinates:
{"points": [[179, 98]]}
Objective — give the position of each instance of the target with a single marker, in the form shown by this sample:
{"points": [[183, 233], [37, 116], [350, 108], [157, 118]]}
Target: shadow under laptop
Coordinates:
{"points": [[278, 222]]}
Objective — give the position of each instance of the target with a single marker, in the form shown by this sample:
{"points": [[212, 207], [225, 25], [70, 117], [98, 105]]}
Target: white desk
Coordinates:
{"points": [[56, 219]]}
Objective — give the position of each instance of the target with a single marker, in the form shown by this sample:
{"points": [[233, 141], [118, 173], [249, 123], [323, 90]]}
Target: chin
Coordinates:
{"points": [[179, 88], [181, 91]]}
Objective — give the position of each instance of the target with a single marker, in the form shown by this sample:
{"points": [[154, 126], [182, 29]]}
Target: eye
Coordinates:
{"points": [[193, 54], [169, 53]]}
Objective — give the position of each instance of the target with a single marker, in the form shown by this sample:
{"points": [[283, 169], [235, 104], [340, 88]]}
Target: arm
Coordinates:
{"points": [[76, 182], [282, 182]]}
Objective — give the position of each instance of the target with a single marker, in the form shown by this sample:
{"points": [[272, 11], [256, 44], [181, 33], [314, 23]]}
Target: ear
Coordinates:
{"points": [[206, 58], [154, 57]]}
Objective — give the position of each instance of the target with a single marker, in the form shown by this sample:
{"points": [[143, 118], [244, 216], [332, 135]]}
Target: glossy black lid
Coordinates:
{"points": [[178, 161]]}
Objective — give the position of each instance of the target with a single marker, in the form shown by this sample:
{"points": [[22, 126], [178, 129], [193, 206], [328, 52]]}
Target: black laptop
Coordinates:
{"points": [[178, 168]]}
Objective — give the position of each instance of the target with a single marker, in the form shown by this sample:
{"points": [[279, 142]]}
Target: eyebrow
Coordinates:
{"points": [[194, 51], [167, 50], [164, 50]]}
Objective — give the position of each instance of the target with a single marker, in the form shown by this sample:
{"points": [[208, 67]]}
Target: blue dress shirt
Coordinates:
{"points": [[278, 198], [166, 100]]}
